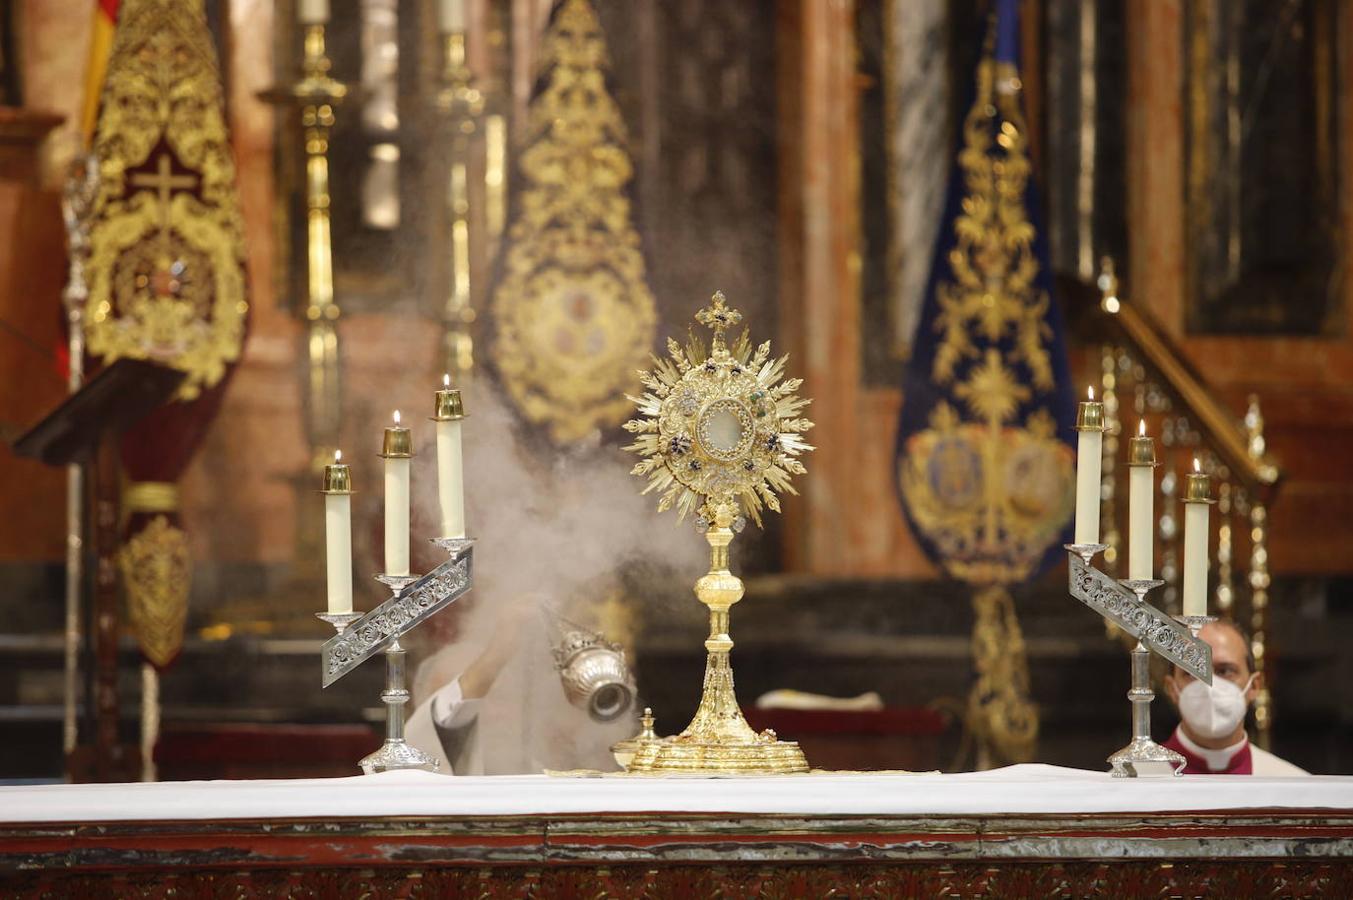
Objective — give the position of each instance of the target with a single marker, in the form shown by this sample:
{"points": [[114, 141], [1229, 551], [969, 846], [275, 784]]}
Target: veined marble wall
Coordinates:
{"points": [[919, 103]]}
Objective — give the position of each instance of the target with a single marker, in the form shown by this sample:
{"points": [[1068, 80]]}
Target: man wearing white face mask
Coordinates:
{"points": [[1211, 733]]}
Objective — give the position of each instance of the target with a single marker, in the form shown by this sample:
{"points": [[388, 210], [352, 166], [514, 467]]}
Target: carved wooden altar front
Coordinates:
{"points": [[1251, 853]]}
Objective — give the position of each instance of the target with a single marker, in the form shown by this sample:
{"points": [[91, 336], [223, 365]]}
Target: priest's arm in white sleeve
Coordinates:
{"points": [[457, 723], [449, 721], [447, 725]]}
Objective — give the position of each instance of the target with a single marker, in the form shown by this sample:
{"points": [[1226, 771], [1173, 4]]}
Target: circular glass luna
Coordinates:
{"points": [[725, 429]]}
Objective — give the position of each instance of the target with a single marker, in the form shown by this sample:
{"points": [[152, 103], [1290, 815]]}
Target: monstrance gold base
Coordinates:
{"points": [[719, 741], [677, 757]]}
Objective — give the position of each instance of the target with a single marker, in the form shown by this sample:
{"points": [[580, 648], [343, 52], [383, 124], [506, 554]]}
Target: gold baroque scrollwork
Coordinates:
{"points": [[156, 568], [166, 267], [573, 314], [999, 709], [991, 492]]}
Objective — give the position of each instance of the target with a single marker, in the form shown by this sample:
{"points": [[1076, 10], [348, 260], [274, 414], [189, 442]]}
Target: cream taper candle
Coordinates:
{"points": [[450, 462], [312, 12], [1197, 512], [1141, 505], [337, 492], [1089, 459], [450, 15], [397, 450]]}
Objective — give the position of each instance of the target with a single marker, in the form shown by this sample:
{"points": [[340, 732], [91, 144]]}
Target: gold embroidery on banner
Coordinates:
{"points": [[999, 708], [990, 492], [166, 268], [156, 569], [573, 314]]}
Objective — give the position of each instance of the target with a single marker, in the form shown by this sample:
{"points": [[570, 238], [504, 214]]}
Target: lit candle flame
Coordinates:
{"points": [[396, 417], [338, 456], [446, 381], [1091, 391], [1141, 427], [1197, 466]]}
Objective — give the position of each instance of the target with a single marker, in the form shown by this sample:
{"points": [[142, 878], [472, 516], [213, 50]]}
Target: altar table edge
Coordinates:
{"points": [[645, 839]]}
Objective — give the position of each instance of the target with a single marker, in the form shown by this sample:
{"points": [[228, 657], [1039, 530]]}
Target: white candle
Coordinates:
{"points": [[1089, 453], [450, 461], [1197, 512], [338, 534], [312, 12], [397, 450], [450, 15], [1141, 505]]}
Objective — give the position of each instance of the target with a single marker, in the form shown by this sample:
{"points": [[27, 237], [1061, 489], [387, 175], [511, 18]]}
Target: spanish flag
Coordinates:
{"points": [[100, 49]]}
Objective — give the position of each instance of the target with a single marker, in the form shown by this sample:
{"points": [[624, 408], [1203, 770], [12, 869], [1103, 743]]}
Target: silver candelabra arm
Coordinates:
{"points": [[360, 636], [1121, 604], [1124, 603], [410, 604]]}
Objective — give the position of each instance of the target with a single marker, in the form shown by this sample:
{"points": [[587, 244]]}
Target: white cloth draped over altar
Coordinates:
{"points": [[1023, 789]]}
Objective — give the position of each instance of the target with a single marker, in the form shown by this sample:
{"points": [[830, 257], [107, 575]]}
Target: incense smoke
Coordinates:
{"points": [[555, 528]]}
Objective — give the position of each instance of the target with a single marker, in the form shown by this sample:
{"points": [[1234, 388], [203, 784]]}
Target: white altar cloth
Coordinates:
{"points": [[1022, 789]]}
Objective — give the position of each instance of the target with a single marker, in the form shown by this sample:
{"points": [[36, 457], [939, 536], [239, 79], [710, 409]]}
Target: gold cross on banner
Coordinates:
{"points": [[165, 182]]}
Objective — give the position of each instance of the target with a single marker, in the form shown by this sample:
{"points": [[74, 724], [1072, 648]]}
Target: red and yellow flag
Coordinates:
{"points": [[100, 49]]}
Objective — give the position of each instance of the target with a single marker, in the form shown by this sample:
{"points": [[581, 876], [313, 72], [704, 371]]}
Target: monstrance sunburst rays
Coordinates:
{"points": [[719, 428]]}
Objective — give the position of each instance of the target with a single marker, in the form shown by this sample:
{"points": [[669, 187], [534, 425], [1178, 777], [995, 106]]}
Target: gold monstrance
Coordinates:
{"points": [[720, 435]]}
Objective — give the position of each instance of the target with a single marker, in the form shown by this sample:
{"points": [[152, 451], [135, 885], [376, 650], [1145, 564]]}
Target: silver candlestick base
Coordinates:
{"points": [[1124, 602], [1143, 757], [396, 753], [360, 636]]}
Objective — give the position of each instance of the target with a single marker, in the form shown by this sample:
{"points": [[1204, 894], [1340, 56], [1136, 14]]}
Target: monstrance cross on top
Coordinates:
{"points": [[718, 316], [164, 182]]}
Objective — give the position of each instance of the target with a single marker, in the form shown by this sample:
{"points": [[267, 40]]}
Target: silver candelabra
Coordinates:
{"points": [[360, 636], [1175, 638]]}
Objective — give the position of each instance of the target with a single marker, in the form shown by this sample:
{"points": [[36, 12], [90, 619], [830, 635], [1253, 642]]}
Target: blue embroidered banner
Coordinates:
{"points": [[985, 467]]}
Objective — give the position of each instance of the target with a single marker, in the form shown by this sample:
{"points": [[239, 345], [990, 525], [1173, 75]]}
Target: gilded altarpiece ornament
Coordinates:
{"points": [[984, 465], [572, 313]]}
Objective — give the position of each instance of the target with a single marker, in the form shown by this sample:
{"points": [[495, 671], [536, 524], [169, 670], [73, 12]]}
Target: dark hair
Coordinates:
{"points": [[1244, 639]]}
